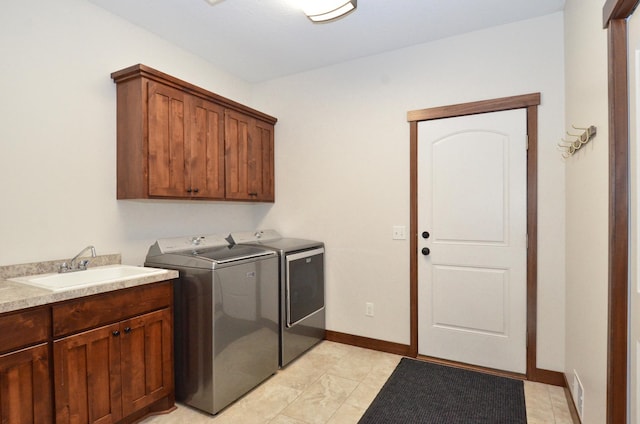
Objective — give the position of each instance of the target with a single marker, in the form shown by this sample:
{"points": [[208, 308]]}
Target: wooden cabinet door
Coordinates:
{"points": [[167, 169], [261, 162], [205, 149], [248, 158], [25, 386], [87, 377], [147, 360]]}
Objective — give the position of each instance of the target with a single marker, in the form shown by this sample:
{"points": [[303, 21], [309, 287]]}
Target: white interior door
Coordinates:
{"points": [[472, 204], [633, 28]]}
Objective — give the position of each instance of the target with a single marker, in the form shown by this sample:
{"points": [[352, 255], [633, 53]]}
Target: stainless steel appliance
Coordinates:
{"points": [[302, 307], [226, 317]]}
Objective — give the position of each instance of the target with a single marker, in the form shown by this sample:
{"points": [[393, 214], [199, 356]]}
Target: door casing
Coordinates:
{"points": [[615, 14], [529, 102]]}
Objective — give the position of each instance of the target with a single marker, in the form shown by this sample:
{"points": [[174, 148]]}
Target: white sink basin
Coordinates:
{"points": [[89, 277]]}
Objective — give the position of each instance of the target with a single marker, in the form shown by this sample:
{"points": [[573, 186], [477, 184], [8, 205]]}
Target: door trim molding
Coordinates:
{"points": [[529, 102], [615, 14]]}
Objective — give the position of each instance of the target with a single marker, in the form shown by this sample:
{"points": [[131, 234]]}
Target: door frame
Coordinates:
{"points": [[530, 102], [615, 14]]}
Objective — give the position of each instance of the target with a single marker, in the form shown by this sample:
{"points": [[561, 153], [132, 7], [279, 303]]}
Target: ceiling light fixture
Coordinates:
{"points": [[328, 10]]}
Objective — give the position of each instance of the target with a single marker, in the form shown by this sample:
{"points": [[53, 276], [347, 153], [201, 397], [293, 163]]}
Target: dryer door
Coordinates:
{"points": [[304, 284]]}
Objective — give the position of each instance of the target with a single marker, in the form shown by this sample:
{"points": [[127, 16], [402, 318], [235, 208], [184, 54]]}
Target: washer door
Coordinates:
{"points": [[304, 285]]}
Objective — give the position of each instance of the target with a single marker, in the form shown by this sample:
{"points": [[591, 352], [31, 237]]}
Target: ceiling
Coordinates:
{"points": [[258, 40]]}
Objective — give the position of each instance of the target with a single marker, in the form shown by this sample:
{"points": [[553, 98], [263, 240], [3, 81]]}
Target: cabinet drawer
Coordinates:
{"points": [[101, 309], [24, 328]]}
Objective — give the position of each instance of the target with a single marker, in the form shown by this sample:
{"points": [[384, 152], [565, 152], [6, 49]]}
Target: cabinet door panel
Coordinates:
{"points": [[206, 149], [166, 132], [237, 133], [261, 181], [25, 388], [147, 365], [87, 377], [249, 159]]}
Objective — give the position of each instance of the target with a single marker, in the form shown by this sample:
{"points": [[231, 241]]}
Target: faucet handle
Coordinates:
{"points": [[63, 267], [83, 264]]}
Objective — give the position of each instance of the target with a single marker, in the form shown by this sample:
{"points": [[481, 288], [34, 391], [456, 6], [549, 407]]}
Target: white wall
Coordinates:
{"points": [[342, 153], [587, 176], [342, 162], [58, 135]]}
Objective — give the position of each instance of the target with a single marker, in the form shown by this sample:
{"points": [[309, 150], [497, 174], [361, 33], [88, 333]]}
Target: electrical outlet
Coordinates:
{"points": [[399, 232], [368, 309]]}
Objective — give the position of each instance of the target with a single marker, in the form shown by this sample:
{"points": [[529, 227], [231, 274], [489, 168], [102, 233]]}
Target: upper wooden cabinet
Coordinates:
{"points": [[176, 140]]}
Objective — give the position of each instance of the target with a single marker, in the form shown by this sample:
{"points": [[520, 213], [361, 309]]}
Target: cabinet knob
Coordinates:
{"points": [[195, 190], [116, 333], [127, 330], [253, 194], [189, 190]]}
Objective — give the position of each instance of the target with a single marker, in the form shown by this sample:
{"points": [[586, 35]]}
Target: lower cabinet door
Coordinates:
{"points": [[25, 386], [87, 377], [146, 364]]}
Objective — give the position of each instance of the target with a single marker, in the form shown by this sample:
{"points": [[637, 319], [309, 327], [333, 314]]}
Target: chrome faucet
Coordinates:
{"points": [[80, 266]]}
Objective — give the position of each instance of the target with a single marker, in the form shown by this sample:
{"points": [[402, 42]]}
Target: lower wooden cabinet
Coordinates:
{"points": [[111, 372], [25, 386], [110, 356]]}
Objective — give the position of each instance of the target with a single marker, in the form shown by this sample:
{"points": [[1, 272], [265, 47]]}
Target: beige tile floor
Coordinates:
{"points": [[334, 384]]}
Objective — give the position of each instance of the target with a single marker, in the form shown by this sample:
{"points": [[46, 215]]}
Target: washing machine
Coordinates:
{"points": [[302, 296], [226, 321]]}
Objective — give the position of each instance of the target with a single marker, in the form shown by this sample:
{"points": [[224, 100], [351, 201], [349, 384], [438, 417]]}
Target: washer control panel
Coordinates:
{"points": [[180, 244], [254, 236]]}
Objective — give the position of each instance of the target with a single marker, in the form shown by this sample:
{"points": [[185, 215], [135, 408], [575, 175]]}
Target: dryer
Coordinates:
{"points": [[302, 289]]}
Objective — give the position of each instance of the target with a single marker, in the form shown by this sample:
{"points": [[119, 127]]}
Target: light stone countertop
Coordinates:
{"points": [[15, 296]]}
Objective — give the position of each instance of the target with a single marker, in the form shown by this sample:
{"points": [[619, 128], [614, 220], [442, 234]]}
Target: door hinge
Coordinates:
{"points": [[527, 137]]}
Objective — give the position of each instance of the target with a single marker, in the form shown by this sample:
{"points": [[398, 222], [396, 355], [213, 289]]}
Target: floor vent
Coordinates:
{"points": [[578, 394]]}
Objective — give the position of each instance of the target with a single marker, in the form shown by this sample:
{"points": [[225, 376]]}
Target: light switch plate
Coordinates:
{"points": [[399, 232]]}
